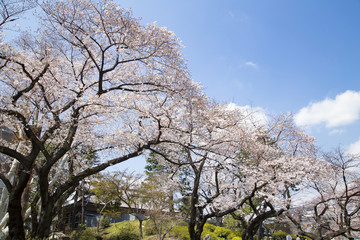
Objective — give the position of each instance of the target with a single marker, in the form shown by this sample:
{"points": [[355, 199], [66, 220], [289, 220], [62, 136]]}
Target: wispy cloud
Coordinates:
{"points": [[251, 64], [341, 111], [336, 131], [354, 148]]}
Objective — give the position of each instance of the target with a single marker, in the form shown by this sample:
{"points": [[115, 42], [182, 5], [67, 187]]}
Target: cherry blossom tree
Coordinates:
{"points": [[91, 76], [283, 157], [333, 209], [195, 155], [232, 158]]}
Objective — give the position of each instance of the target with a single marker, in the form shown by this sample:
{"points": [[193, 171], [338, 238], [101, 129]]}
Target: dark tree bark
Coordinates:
{"points": [[253, 223], [16, 222]]}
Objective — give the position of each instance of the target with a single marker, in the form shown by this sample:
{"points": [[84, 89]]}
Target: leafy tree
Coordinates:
{"points": [[100, 187], [157, 195], [150, 197], [158, 169], [154, 166], [121, 188]]}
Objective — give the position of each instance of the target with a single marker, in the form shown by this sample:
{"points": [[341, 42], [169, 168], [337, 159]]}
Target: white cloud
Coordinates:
{"points": [[251, 64], [343, 110], [354, 148]]}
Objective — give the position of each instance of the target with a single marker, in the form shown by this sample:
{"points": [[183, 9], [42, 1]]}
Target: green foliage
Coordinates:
{"points": [[149, 228], [184, 207], [280, 235], [153, 166], [84, 234], [124, 232], [105, 222], [231, 223], [129, 231], [233, 235], [236, 238], [209, 227], [181, 231], [222, 232], [218, 233]]}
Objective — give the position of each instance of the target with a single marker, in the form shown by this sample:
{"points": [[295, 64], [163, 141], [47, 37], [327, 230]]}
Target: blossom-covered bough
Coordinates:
{"points": [[333, 209], [228, 158], [284, 156], [91, 76]]}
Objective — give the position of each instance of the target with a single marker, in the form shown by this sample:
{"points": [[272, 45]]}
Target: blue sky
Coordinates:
{"points": [[283, 56]]}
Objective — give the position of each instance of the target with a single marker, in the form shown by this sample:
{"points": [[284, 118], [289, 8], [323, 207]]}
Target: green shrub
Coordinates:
{"points": [[209, 227], [233, 235], [232, 224], [222, 232], [105, 222], [236, 238], [280, 235], [84, 234], [181, 231], [149, 228], [127, 232]]}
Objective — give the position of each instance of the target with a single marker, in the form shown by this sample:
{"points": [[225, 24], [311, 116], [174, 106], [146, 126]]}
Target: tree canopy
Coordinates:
{"points": [[93, 87]]}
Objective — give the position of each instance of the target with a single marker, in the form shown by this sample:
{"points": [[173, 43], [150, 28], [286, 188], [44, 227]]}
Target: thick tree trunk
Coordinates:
{"points": [[250, 231], [248, 235], [195, 234], [46, 217], [199, 230], [192, 224], [48, 211], [16, 222], [196, 229]]}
